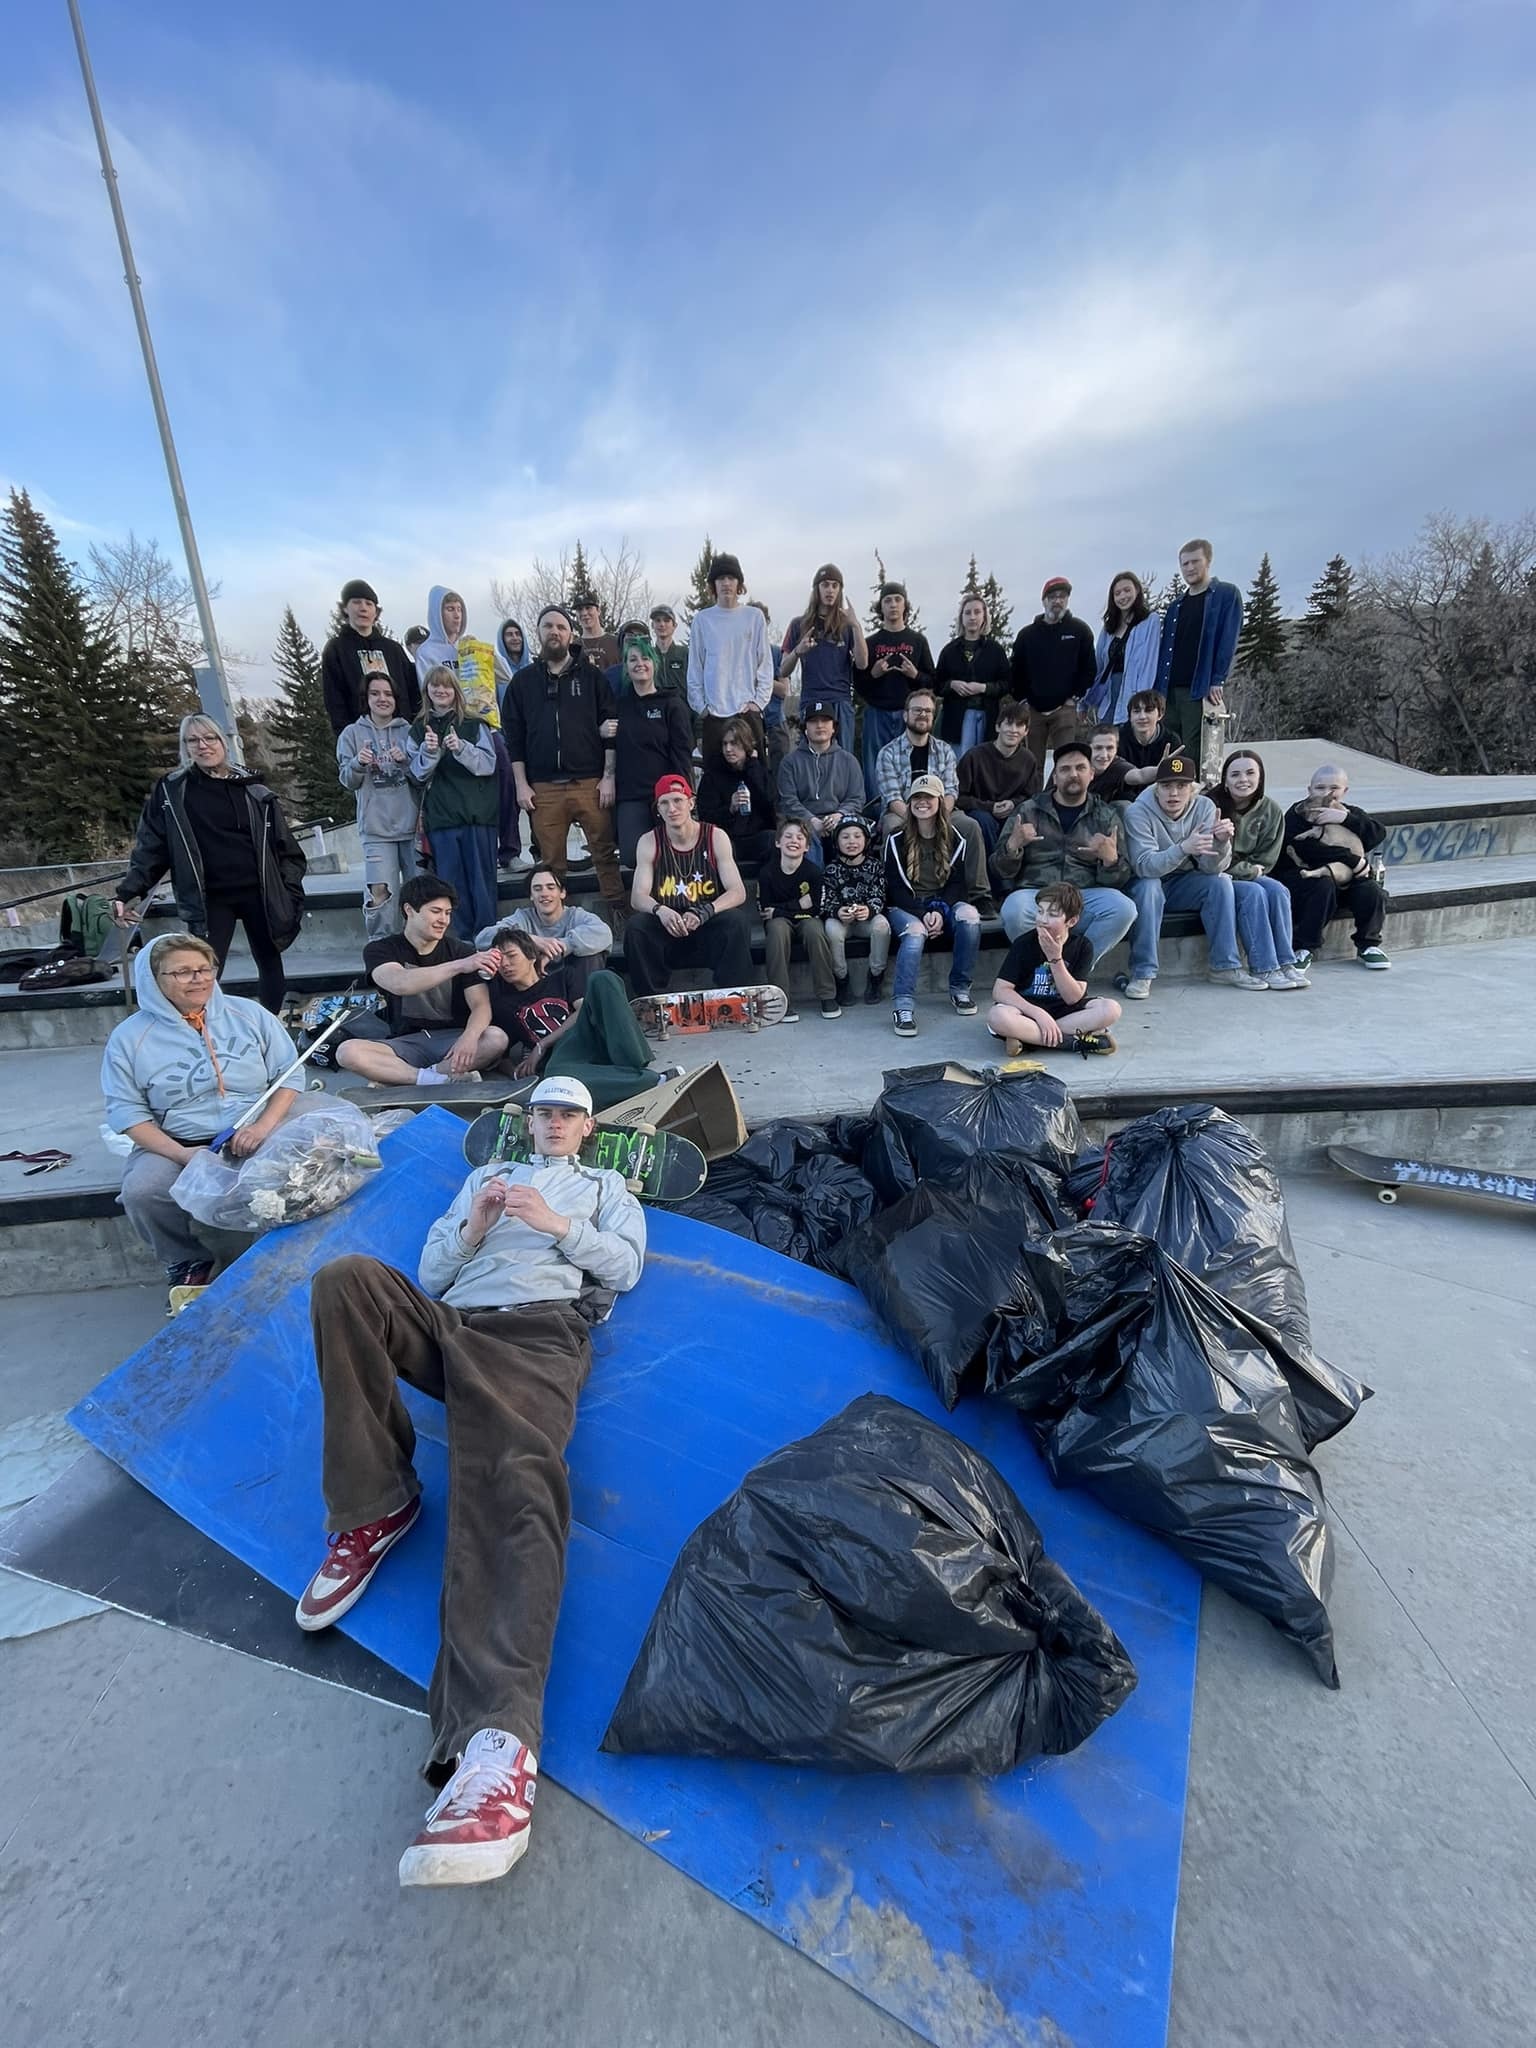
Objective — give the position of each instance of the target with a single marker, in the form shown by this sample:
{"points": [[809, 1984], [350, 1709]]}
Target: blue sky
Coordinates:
{"points": [[436, 290]]}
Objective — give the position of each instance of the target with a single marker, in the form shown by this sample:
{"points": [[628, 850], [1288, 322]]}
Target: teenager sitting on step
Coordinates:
{"points": [[1040, 996]]}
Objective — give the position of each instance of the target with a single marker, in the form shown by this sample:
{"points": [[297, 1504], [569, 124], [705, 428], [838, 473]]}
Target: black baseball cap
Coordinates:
{"points": [[819, 707], [1071, 747]]}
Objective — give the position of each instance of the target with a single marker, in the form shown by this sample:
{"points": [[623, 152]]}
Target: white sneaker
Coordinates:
{"points": [[576, 848], [520, 864], [1296, 978], [1237, 977], [434, 1077], [1279, 977], [1134, 987]]}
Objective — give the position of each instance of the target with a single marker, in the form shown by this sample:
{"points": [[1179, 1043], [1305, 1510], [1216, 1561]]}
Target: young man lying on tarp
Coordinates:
{"points": [[511, 1279]]}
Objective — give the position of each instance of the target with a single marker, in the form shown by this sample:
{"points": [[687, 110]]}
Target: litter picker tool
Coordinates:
{"points": [[284, 1078]]}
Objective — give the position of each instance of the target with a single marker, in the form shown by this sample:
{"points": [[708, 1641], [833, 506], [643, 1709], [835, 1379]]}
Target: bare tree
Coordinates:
{"points": [[144, 601], [618, 582]]}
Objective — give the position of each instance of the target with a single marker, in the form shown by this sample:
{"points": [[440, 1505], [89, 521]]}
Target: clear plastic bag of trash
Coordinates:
{"points": [[873, 1597], [308, 1166]]}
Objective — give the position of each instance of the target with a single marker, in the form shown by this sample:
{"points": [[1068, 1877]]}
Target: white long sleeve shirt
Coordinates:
{"points": [[513, 1264], [730, 663]]}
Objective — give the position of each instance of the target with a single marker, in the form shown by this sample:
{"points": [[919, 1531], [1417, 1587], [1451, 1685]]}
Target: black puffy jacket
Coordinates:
{"points": [[166, 844]]}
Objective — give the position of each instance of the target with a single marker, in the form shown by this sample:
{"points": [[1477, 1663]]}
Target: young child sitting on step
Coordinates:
{"points": [[1041, 995]]}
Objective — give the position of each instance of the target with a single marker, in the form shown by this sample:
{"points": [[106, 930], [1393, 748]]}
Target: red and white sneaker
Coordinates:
{"points": [[477, 1827], [355, 1555]]}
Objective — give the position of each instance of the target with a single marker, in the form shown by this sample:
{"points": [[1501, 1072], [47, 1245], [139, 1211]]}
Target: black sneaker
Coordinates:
{"points": [[962, 1002], [840, 988], [831, 1007], [790, 1016], [904, 1024], [1090, 1042], [875, 993]]}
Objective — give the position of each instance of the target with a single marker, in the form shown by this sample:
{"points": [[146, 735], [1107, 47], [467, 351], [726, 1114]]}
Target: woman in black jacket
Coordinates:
{"points": [[221, 836], [733, 794]]}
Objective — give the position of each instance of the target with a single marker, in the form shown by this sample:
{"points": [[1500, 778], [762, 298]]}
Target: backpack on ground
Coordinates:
{"points": [[84, 922]]}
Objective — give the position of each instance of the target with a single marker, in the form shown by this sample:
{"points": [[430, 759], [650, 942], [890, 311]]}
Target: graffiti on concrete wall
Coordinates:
{"points": [[1443, 839]]}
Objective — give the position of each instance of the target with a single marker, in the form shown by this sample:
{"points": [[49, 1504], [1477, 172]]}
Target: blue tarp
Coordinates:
{"points": [[1036, 1907]]}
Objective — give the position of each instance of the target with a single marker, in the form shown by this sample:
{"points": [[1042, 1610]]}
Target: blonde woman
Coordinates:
{"points": [[927, 894]]}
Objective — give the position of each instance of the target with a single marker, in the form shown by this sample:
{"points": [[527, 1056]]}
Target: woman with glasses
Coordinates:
{"points": [[188, 1063], [221, 836], [451, 756]]}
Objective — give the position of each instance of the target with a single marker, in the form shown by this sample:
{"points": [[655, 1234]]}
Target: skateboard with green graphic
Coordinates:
{"points": [[658, 1166]]}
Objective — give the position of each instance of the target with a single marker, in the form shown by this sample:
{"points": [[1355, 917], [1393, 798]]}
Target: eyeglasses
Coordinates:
{"points": [[188, 974]]}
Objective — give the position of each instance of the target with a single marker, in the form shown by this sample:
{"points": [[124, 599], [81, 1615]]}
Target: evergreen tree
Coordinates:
{"points": [[999, 610], [1330, 598], [579, 582], [1261, 643], [302, 731], [700, 596], [1172, 589], [78, 726], [971, 587]]}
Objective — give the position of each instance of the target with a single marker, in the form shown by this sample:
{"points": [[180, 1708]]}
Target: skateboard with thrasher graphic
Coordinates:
{"points": [[710, 1009]]}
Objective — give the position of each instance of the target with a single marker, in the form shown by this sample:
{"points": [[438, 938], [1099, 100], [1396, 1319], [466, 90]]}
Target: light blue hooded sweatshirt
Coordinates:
{"points": [[156, 1068]]}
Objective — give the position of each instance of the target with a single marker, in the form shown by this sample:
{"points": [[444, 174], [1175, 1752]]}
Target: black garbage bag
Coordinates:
{"points": [[930, 1122], [1200, 1184], [1171, 1406], [1080, 1183], [706, 1207], [938, 1265], [871, 1598], [848, 1134], [790, 1191]]}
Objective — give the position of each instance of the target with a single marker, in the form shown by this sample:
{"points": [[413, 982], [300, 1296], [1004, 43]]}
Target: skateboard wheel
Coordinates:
{"points": [[1388, 1195]]}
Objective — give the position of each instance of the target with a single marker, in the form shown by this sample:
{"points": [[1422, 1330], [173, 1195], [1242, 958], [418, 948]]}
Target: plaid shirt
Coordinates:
{"points": [[893, 767]]}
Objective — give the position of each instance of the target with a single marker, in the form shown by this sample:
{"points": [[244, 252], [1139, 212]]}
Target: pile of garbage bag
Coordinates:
{"points": [[309, 1165], [873, 1597], [1161, 1353]]}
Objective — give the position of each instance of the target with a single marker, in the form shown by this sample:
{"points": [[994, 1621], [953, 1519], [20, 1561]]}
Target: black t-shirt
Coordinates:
{"points": [[796, 895], [888, 692], [443, 1008], [1069, 813], [919, 762], [220, 817], [1027, 968], [1116, 663], [1186, 640], [1109, 782], [530, 1015]]}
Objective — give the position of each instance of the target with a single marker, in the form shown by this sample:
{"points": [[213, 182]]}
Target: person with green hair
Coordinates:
{"points": [[652, 736]]}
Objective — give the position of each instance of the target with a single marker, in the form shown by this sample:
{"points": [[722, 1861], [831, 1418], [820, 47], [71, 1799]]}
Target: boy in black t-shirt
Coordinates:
{"points": [[789, 895], [1041, 995], [435, 1000], [1145, 741], [532, 1004], [1110, 773]]}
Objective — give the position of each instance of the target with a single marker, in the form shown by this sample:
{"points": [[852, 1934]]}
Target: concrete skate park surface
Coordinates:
{"points": [[196, 1847]]}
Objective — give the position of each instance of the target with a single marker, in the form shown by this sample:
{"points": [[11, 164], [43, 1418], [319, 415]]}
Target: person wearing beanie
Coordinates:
{"points": [[350, 657], [825, 646], [1053, 666], [899, 656]]}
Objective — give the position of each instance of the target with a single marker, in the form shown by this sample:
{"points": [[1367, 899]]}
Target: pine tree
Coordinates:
{"points": [[78, 726], [971, 587], [1261, 643], [700, 595], [302, 731], [1330, 598], [999, 610], [1173, 589], [579, 584]]}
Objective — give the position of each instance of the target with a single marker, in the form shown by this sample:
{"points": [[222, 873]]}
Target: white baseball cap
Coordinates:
{"points": [[562, 1091]]}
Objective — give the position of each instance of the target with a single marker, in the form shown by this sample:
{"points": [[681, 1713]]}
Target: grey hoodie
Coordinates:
{"points": [[156, 1069], [582, 932], [388, 802], [824, 785], [1155, 842]]}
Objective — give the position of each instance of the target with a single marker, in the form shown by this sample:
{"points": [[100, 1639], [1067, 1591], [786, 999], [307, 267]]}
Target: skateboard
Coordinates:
{"points": [[1213, 730], [709, 1009], [467, 1097], [656, 1165], [1392, 1174]]}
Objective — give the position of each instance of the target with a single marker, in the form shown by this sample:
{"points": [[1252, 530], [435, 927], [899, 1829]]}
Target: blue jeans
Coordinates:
{"points": [[1212, 896], [1108, 914], [960, 919], [1264, 921], [973, 730], [466, 856], [880, 728]]}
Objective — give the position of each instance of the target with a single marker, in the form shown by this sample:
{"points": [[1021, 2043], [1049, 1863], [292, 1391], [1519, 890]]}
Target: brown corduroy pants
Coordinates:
{"points": [[509, 1380]]}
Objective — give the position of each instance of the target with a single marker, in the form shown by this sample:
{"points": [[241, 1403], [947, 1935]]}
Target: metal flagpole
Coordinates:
{"points": [[212, 683]]}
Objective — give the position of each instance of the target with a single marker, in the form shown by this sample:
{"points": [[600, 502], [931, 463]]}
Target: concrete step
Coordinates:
{"points": [[1365, 1059]]}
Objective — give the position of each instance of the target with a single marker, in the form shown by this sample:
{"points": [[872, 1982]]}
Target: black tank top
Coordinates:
{"points": [[684, 877]]}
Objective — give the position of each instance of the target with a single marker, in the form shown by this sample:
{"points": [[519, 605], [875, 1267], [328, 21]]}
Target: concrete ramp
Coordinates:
{"points": [[1032, 1909]]}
